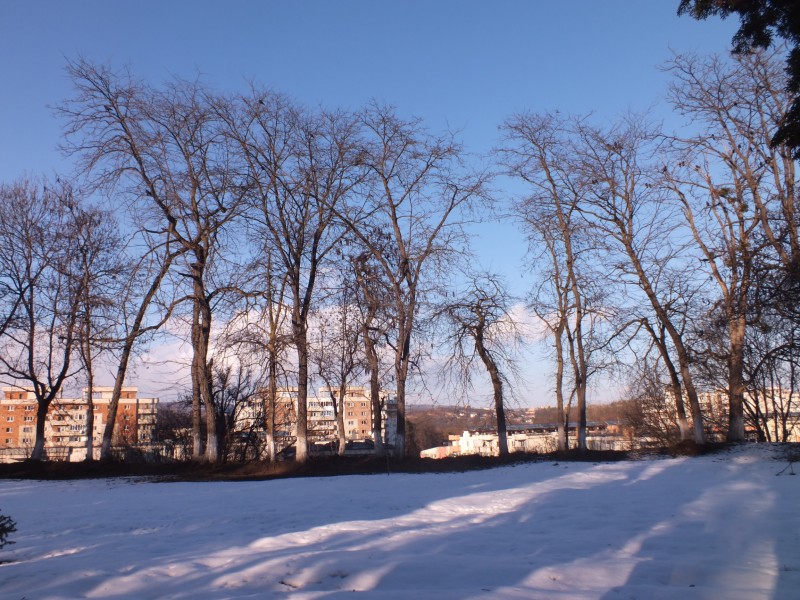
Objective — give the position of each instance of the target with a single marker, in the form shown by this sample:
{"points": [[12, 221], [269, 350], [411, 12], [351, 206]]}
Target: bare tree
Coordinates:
{"points": [[374, 301], [98, 265], [335, 351], [651, 413], [418, 194], [550, 301], [537, 151], [37, 260], [772, 372], [736, 190], [300, 166], [173, 429], [138, 319], [165, 148], [262, 330], [637, 233], [481, 324], [235, 390]]}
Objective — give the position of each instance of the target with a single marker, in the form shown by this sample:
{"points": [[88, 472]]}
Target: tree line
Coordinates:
{"points": [[285, 243]]}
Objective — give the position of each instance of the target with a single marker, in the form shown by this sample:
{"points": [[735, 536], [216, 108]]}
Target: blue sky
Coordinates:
{"points": [[462, 64], [465, 63]]}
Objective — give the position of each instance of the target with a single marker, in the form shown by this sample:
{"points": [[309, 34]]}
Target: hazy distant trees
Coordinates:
{"points": [[650, 411]]}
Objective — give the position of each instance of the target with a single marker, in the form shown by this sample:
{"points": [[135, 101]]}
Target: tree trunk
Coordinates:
{"points": [[301, 345], [42, 407], [691, 392], [374, 394], [401, 365], [581, 397], [272, 396], [108, 432], [89, 406], [497, 388], [271, 404], [561, 426], [205, 374], [127, 348], [400, 436], [579, 366], [212, 430], [87, 360], [377, 420], [197, 385], [736, 385], [684, 429], [341, 434]]}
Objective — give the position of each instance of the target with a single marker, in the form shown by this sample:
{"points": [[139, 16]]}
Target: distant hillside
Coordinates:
{"points": [[431, 425]]}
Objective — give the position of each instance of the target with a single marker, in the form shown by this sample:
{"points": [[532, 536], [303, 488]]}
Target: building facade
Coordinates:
{"points": [[321, 413], [66, 434]]}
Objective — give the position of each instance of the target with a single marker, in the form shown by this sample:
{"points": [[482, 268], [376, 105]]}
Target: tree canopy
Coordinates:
{"points": [[761, 21]]}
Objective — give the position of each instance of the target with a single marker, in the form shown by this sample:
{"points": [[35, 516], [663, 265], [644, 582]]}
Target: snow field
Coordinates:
{"points": [[722, 526]]}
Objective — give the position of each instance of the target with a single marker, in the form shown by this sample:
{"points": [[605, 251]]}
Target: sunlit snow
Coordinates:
{"points": [[712, 527]]}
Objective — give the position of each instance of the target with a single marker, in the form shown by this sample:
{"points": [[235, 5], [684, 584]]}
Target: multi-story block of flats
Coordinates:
{"points": [[66, 435]]}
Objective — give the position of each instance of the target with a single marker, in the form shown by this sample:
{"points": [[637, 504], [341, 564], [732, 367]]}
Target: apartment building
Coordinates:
{"points": [[66, 432], [321, 413], [358, 414], [770, 413]]}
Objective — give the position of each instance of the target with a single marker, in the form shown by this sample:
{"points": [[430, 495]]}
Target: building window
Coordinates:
{"points": [[27, 429], [11, 408], [29, 419], [10, 419], [30, 407], [8, 441], [9, 430]]}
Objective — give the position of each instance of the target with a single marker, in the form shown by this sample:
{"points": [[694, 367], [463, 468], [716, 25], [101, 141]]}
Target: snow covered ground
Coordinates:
{"points": [[713, 527]]}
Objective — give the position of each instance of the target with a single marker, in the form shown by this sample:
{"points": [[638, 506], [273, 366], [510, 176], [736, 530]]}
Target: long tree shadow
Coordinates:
{"points": [[531, 531], [740, 535], [124, 524]]}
